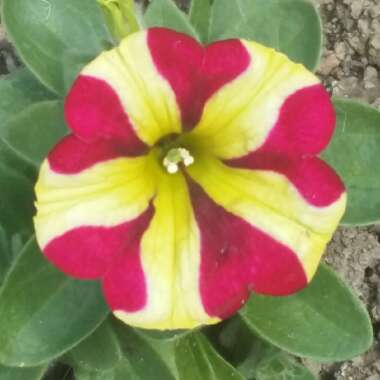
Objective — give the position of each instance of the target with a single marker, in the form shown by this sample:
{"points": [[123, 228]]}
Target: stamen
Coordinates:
{"points": [[175, 157]]}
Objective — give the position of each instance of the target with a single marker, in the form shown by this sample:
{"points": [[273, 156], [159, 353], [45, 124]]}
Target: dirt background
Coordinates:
{"points": [[350, 67]]}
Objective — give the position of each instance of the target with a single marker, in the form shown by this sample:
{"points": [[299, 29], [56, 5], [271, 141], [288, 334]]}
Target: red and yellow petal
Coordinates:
{"points": [[171, 259], [237, 257], [137, 92], [272, 104], [88, 198], [289, 207]]}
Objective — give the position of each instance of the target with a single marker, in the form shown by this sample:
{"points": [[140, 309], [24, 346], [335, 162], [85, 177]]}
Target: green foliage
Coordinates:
{"points": [[16, 201], [20, 90], [101, 351], [43, 312], [33, 373], [139, 356], [196, 359], [254, 357], [325, 322], [165, 13], [200, 17], [290, 26], [355, 154], [16, 205], [43, 123], [20, 124], [53, 35]]}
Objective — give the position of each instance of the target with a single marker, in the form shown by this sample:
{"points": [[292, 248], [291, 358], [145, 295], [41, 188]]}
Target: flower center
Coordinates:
{"points": [[175, 157]]}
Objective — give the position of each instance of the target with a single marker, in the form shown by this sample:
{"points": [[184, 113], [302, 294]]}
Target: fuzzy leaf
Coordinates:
{"points": [[35, 130], [254, 357], [325, 322], [16, 201], [354, 154], [122, 371], [101, 351], [292, 27], [200, 17], [43, 312], [19, 90], [165, 13], [49, 35], [197, 359], [33, 373]]}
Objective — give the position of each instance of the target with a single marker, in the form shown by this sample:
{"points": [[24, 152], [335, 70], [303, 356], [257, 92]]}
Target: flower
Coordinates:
{"points": [[191, 178]]}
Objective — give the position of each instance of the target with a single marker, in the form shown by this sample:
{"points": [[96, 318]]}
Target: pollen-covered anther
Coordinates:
{"points": [[175, 157]]}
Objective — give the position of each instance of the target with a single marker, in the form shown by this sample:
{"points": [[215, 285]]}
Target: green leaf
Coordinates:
{"points": [[281, 366], [197, 359], [354, 154], [254, 357], [18, 91], [165, 13], [33, 373], [50, 34], [16, 205], [101, 351], [10, 247], [325, 321], [43, 312], [200, 17], [129, 351], [35, 130], [292, 27], [122, 371], [147, 357], [17, 195], [137, 355]]}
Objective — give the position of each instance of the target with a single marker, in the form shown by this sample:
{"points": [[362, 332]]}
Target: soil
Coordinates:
{"points": [[350, 67]]}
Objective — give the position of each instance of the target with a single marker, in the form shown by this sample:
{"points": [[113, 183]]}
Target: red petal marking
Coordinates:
{"points": [[124, 285], [224, 61], [314, 179], [113, 252], [195, 73], [305, 125], [94, 112], [236, 257], [71, 155], [178, 58]]}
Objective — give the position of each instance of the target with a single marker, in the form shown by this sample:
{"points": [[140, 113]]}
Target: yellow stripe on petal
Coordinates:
{"points": [[146, 96], [106, 194], [271, 203], [239, 117], [170, 255]]}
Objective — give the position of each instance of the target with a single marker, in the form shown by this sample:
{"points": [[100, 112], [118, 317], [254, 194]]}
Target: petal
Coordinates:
{"points": [[90, 207], [237, 258], [135, 91], [178, 58], [290, 212], [170, 257], [195, 73], [71, 155], [94, 112], [92, 252], [274, 104]]}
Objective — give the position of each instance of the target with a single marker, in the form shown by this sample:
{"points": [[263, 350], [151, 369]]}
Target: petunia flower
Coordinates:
{"points": [[190, 179]]}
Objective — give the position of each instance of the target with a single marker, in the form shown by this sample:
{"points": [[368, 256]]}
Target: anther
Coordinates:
{"points": [[175, 157]]}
